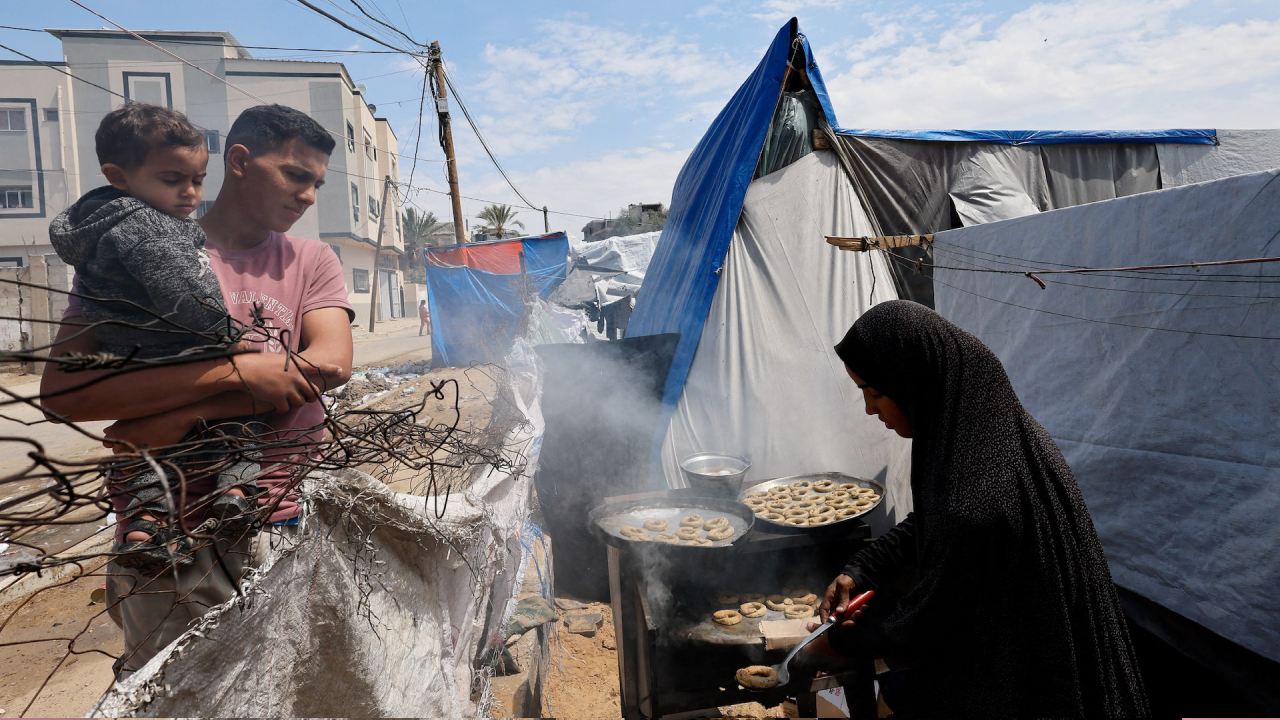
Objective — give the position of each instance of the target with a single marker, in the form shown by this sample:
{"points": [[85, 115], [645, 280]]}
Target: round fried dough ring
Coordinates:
{"points": [[772, 516], [752, 609], [777, 602], [845, 512], [795, 612], [779, 507], [688, 533], [801, 485], [715, 522], [850, 487], [863, 503], [838, 495], [800, 596], [757, 494], [724, 597], [727, 617], [752, 598], [632, 532], [824, 486], [760, 677], [655, 525], [668, 537], [796, 512], [720, 533], [700, 542], [755, 503], [692, 521], [797, 521]]}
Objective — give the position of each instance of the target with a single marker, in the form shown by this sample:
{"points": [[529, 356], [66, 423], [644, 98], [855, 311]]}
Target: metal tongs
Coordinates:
{"points": [[783, 668]]}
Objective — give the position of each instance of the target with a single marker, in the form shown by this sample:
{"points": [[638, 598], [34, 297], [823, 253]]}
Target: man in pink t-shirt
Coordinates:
{"points": [[275, 159]]}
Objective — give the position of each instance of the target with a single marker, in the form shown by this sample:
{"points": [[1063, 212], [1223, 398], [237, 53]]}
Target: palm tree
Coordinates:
{"points": [[498, 218], [417, 234]]}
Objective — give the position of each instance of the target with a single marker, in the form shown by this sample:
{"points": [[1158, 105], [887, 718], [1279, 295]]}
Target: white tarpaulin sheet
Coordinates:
{"points": [[1238, 152], [380, 610], [1168, 416], [765, 382]]}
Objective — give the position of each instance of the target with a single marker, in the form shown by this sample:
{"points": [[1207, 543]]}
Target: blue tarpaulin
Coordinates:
{"points": [[1044, 137], [705, 205], [477, 294]]}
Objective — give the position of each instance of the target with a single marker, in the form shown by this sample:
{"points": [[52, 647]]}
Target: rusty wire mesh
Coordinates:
{"points": [[48, 497]]}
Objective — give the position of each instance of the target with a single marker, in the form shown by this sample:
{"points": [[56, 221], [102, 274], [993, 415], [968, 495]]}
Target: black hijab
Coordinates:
{"points": [[1015, 612]]}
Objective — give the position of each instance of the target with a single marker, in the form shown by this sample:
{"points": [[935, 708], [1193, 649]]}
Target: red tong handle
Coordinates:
{"points": [[856, 603]]}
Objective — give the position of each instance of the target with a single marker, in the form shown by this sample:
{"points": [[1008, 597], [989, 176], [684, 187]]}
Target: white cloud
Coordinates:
{"points": [[776, 11], [1084, 64], [576, 72]]}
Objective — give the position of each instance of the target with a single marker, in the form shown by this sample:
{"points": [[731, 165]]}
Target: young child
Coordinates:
{"points": [[147, 287]]}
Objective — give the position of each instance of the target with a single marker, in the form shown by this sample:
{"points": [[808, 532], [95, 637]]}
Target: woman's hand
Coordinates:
{"points": [[836, 600]]}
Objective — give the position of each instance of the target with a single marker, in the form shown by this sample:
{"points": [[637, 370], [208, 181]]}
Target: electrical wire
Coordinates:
{"points": [[247, 47], [908, 266]]}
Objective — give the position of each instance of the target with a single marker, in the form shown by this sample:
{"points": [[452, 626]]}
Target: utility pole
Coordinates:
{"points": [[446, 133], [377, 255], [546, 224]]}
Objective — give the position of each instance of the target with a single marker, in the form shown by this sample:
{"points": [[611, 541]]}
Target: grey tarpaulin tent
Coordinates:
{"points": [[742, 272]]}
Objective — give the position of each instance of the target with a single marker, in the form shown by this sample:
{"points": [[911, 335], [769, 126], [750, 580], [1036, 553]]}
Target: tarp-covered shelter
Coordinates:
{"points": [[743, 273], [478, 294]]}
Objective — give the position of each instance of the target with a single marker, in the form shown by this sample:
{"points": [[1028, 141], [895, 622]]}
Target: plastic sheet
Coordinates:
{"points": [[766, 383], [1171, 434], [477, 294]]}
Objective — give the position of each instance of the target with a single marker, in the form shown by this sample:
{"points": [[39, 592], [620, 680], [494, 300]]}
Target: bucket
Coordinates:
{"points": [[714, 473]]}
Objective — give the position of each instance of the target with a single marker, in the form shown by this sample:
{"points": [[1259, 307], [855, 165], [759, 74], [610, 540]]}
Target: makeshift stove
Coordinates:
{"points": [[672, 658]]}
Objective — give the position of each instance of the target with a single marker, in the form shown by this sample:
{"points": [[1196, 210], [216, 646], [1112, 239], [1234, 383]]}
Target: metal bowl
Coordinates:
{"points": [[714, 472], [838, 478]]}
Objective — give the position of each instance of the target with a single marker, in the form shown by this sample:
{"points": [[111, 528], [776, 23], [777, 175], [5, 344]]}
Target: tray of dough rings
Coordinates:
{"points": [[810, 504], [733, 617], [683, 526]]}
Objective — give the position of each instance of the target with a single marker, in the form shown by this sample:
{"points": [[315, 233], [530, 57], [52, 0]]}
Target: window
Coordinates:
{"points": [[369, 152], [360, 280], [10, 262], [16, 197], [351, 138], [336, 251], [204, 208], [374, 210], [51, 114], [355, 202], [152, 88], [214, 141], [15, 120]]}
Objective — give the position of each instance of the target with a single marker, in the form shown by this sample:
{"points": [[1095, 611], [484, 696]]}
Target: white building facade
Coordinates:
{"points": [[48, 120]]}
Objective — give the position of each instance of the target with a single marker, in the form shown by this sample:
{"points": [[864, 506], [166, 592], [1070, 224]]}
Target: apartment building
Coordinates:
{"points": [[47, 123]]}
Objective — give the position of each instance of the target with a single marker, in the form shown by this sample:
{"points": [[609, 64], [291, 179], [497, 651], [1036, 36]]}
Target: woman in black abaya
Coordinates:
{"points": [[1014, 612]]}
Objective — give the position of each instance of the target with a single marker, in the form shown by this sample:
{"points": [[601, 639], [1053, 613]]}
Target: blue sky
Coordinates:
{"points": [[593, 105]]}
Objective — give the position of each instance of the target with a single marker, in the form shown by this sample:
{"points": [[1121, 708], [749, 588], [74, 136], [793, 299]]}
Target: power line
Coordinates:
{"points": [[247, 47], [361, 33], [480, 136], [64, 72], [907, 265], [339, 135]]}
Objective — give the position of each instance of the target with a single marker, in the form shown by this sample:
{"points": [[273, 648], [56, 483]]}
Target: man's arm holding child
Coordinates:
{"points": [[113, 395], [325, 342]]}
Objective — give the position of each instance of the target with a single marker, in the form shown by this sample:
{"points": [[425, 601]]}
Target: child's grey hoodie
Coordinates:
{"points": [[124, 249]]}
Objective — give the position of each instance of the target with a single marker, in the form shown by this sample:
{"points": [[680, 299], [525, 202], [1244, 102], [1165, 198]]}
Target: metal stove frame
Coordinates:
{"points": [[644, 695]]}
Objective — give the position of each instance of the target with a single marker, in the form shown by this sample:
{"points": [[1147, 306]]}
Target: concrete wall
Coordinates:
{"points": [[26, 312], [41, 157], [68, 166]]}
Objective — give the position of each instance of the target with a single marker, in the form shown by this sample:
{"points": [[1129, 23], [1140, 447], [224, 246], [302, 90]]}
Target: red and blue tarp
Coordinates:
{"points": [[478, 292]]}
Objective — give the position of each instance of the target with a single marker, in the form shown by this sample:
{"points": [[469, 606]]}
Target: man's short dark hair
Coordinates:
{"points": [[127, 135], [268, 127]]}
